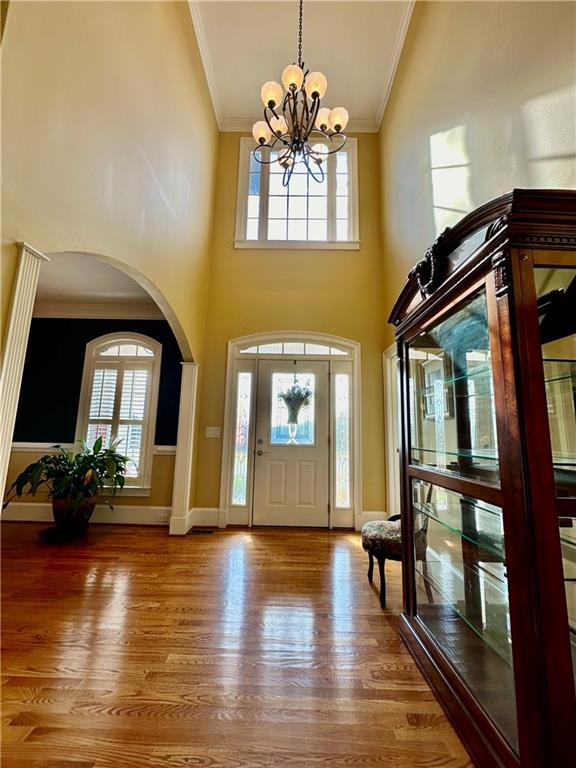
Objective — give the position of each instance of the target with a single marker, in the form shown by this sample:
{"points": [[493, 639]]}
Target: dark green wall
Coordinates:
{"points": [[50, 393]]}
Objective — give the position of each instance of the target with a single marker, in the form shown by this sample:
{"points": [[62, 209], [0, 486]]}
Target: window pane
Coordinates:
{"points": [[254, 184], [112, 351], [341, 207], [252, 229], [270, 349], [277, 230], [291, 424], [336, 351], [342, 162], [253, 203], [103, 393], [297, 229], [297, 208], [277, 207], [342, 229], [341, 184], [134, 394], [318, 189], [130, 443], [249, 350], [241, 439], [276, 187], [317, 230], [298, 185], [317, 208], [342, 434], [128, 350], [293, 348], [95, 431], [317, 349]]}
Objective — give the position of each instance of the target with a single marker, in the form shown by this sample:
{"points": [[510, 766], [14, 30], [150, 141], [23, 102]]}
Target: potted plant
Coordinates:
{"points": [[74, 482]]}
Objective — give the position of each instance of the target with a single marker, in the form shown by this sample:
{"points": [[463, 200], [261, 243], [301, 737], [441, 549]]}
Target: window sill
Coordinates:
{"points": [[130, 491], [308, 245]]}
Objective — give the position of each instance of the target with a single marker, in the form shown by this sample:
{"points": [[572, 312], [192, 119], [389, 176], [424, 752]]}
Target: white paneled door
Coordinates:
{"points": [[291, 480]]}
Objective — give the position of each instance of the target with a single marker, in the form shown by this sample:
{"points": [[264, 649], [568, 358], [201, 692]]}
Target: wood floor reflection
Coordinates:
{"points": [[256, 648]]}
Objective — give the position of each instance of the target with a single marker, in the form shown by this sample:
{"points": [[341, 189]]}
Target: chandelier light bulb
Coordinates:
{"points": [[261, 132], [338, 119], [293, 77], [271, 94], [319, 153], [323, 119], [316, 85], [279, 126]]}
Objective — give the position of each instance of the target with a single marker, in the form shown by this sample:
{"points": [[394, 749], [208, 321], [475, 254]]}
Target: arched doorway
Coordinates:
{"points": [[308, 474]]}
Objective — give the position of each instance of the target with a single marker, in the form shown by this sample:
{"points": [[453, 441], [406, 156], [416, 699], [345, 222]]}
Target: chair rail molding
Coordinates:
{"points": [[29, 263], [182, 517]]}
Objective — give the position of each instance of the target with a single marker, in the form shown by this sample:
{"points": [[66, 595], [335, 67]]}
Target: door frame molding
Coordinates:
{"points": [[391, 413], [229, 514]]}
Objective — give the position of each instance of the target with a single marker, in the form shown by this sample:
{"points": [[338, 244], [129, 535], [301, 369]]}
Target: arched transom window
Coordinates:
{"points": [[305, 348], [119, 399]]}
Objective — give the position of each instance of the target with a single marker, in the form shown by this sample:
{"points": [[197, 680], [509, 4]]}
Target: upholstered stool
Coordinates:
{"points": [[382, 540]]}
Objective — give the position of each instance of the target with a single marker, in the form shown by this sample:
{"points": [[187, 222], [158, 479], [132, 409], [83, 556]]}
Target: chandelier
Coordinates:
{"points": [[294, 120]]}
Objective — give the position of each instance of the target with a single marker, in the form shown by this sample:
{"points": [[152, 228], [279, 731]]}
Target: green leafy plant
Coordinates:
{"points": [[74, 476], [295, 397]]}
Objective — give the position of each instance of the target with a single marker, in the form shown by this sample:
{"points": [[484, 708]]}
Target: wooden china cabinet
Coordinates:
{"points": [[486, 335]]}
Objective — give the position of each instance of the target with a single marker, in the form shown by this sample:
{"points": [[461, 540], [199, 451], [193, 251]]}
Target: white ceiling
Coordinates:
{"points": [[356, 44], [89, 287]]}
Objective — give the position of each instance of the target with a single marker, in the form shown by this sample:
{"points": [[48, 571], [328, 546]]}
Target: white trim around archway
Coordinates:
{"points": [[347, 358]]}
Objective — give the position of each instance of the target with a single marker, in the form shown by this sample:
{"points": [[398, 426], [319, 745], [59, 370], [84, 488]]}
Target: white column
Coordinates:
{"points": [[182, 518], [15, 348]]}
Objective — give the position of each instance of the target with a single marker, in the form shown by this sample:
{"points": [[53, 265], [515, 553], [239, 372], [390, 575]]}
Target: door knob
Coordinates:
{"points": [[261, 453]]}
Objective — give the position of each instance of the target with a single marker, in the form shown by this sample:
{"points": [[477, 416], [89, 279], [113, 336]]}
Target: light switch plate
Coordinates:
{"points": [[213, 432]]}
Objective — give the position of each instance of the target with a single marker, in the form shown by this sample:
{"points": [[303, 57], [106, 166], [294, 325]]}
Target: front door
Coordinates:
{"points": [[291, 480]]}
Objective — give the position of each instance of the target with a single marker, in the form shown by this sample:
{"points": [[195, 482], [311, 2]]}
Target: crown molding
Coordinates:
{"points": [[98, 311], [244, 125], [194, 6], [395, 59]]}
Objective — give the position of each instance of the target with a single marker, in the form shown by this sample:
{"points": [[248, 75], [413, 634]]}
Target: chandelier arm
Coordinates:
{"points": [[312, 121], [330, 138], [306, 158], [276, 136]]}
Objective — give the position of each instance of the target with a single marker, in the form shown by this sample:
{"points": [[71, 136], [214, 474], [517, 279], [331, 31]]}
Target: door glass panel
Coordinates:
{"points": [[556, 297], [462, 593], [452, 412], [241, 439], [292, 407], [342, 439]]}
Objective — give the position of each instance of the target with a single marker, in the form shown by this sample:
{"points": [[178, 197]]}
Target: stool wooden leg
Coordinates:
{"points": [[370, 567], [381, 562]]}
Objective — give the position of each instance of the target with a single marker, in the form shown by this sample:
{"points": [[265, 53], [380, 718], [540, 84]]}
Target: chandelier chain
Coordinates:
{"points": [[300, 34]]}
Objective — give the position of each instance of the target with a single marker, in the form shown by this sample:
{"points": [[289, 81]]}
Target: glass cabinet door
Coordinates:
{"points": [[556, 298], [452, 414], [459, 550]]}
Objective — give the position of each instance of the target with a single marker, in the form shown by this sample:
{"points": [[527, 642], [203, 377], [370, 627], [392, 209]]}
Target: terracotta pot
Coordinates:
{"points": [[71, 517]]}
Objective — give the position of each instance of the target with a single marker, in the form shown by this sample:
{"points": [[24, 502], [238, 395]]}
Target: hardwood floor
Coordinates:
{"points": [[258, 648]]}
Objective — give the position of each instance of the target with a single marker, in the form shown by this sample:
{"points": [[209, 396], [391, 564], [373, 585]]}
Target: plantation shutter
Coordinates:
{"points": [[120, 401]]}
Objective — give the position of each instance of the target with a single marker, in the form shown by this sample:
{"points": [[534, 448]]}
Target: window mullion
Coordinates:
{"points": [[117, 402], [331, 172], [264, 195]]}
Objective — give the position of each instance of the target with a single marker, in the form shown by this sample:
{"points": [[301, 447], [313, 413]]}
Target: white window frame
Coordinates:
{"points": [[240, 241], [91, 359]]}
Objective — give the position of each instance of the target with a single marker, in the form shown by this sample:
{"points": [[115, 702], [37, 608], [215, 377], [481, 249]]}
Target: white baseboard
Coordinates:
{"points": [[122, 515], [342, 518], [206, 516]]}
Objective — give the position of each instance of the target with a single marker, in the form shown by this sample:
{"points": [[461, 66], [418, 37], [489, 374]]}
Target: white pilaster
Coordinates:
{"points": [[15, 347], [182, 519]]}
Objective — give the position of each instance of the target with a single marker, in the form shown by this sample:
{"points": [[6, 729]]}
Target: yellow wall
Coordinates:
{"points": [[253, 291], [500, 78], [161, 483], [109, 143]]}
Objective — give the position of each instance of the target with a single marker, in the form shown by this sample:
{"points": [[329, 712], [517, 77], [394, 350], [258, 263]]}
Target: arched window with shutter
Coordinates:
{"points": [[119, 397]]}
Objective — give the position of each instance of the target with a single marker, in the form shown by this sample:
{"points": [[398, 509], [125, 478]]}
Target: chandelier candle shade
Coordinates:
{"points": [[295, 127]]}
